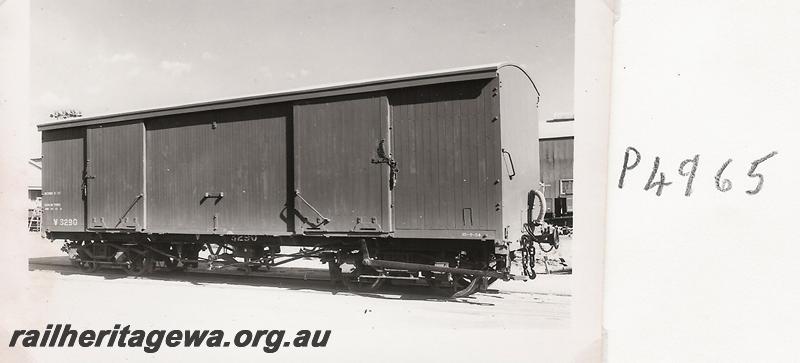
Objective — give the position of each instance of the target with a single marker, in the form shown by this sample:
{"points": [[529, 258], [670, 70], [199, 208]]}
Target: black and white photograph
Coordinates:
{"points": [[399, 181], [295, 179]]}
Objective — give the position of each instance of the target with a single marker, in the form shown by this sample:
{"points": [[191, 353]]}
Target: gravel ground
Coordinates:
{"points": [[400, 324]]}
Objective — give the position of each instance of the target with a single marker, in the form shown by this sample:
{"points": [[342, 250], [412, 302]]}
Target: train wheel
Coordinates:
{"points": [[430, 279], [335, 272], [354, 283], [85, 261], [172, 264], [137, 265], [88, 266]]}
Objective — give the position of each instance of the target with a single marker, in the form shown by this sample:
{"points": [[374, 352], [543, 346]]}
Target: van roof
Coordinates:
{"points": [[369, 85]]}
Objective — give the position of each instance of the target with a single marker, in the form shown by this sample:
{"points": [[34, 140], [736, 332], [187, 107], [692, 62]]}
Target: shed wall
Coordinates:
{"points": [[556, 159]]}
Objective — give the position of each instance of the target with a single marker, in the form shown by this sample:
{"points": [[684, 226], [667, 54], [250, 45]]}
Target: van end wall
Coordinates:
{"points": [[519, 137]]}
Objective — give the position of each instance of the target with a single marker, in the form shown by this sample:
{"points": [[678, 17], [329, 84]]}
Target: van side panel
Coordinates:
{"points": [[115, 176], [62, 180], [446, 143], [220, 172]]}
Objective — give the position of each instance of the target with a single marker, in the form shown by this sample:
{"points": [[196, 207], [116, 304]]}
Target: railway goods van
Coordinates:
{"points": [[431, 177]]}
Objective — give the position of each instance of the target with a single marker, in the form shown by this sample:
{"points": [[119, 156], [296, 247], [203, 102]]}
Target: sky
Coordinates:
{"points": [[109, 56]]}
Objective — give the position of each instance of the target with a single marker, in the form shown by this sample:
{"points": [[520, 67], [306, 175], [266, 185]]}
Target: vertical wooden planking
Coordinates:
{"points": [[444, 211], [335, 142], [420, 154], [441, 136], [180, 161], [481, 140], [115, 186], [428, 167], [443, 164], [447, 195], [385, 175], [493, 156], [461, 221], [474, 147], [240, 153], [143, 140], [467, 190], [250, 162], [62, 179]]}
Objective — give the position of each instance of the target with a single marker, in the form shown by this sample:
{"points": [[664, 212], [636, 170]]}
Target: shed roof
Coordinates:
{"points": [[370, 85]]}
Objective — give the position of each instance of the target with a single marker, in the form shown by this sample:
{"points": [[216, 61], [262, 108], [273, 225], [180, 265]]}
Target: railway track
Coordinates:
{"points": [[511, 304], [279, 276], [284, 277], [63, 265], [508, 304]]}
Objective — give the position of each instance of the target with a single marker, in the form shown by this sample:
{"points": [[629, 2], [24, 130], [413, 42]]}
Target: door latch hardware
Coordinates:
{"points": [[384, 158], [325, 220]]}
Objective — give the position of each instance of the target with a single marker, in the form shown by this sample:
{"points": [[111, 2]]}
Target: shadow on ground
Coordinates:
{"points": [[284, 278]]}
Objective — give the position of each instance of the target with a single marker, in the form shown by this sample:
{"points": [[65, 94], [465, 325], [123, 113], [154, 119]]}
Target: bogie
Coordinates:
{"points": [[347, 260]]}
